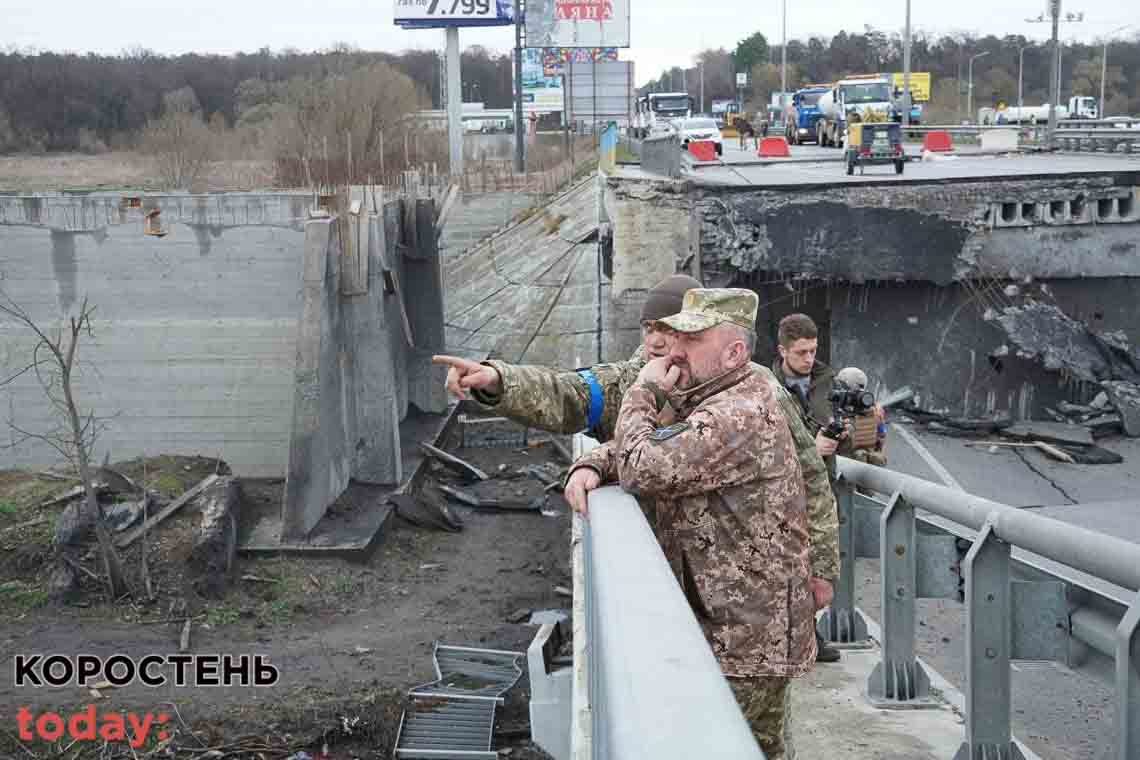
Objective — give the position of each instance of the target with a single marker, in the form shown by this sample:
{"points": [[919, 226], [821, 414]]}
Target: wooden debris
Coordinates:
{"points": [[131, 536], [212, 558], [48, 475], [1050, 432], [1051, 451], [259, 579], [26, 524], [184, 639], [454, 463]]}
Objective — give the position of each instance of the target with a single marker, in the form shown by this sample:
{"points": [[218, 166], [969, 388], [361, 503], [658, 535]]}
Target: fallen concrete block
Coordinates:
{"points": [[1125, 397], [215, 541], [1053, 432]]}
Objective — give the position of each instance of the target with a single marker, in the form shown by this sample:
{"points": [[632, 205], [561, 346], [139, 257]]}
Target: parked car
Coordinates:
{"points": [[702, 129]]}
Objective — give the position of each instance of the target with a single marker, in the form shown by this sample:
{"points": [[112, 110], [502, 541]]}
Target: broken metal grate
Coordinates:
{"points": [[444, 728], [471, 673], [453, 717]]}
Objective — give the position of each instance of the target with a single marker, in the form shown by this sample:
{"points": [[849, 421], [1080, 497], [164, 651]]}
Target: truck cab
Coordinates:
{"points": [[865, 99], [805, 104], [1083, 107]]}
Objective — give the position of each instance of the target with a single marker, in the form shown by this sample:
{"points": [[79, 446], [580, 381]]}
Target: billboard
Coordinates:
{"points": [[600, 92], [554, 60], [919, 85], [432, 14], [541, 91], [577, 23]]}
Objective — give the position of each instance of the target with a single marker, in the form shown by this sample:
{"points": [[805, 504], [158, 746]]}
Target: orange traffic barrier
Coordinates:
{"points": [[773, 147], [937, 142], [703, 150]]}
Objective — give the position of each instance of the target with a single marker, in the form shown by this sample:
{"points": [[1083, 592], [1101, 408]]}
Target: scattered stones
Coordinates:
{"points": [[1126, 398], [1100, 401]]}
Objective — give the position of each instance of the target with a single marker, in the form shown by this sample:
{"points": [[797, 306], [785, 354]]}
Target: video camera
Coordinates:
{"points": [[847, 400]]}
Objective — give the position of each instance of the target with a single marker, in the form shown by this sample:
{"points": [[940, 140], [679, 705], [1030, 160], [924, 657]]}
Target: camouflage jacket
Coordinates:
{"points": [[559, 401], [731, 516]]}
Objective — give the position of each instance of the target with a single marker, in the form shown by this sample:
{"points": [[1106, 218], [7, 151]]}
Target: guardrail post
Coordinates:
{"points": [[898, 680], [841, 623], [988, 694], [1128, 684]]}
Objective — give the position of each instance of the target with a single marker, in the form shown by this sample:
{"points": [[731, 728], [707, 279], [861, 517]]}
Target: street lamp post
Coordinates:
{"points": [[970, 87], [1104, 63], [1020, 66], [784, 58], [906, 68]]}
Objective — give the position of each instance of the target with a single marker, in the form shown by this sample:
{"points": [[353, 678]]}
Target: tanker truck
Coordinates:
{"points": [[866, 99]]}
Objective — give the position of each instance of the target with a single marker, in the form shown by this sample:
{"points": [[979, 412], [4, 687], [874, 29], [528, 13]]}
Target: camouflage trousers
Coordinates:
{"points": [[766, 703]]}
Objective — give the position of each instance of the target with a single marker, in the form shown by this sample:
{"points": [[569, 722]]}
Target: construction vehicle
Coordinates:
{"points": [[854, 99], [1079, 107], [801, 127], [657, 111]]}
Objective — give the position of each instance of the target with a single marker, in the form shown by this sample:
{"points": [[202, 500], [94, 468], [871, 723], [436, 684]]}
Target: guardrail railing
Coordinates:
{"points": [[1073, 588], [646, 685]]}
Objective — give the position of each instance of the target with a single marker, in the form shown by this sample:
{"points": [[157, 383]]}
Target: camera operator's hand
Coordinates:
{"points": [[826, 446], [578, 487], [464, 374]]}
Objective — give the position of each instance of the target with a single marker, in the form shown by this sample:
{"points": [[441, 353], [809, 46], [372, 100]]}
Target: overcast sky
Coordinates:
{"points": [[665, 32]]}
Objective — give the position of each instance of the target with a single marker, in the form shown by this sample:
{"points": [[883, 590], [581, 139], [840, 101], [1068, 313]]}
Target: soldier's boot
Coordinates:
{"points": [[825, 652]]}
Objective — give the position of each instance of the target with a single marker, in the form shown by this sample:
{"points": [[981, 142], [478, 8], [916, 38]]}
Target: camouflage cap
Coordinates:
{"points": [[708, 307]]}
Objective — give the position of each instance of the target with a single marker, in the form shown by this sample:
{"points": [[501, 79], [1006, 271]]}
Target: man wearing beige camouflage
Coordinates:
{"points": [[730, 500], [589, 400]]}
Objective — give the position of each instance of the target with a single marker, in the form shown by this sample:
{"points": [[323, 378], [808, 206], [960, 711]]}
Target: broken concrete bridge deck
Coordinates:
{"points": [[965, 166]]}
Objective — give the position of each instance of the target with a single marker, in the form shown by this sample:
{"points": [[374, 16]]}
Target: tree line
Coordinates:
{"points": [[946, 57], [64, 101]]}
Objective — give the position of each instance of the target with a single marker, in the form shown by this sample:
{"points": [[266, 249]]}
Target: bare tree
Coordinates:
{"points": [[53, 363], [181, 144]]}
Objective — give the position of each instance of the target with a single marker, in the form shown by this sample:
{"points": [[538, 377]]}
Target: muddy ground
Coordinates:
{"points": [[348, 637]]}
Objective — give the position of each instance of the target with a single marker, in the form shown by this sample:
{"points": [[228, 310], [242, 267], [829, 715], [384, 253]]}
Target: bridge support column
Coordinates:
{"points": [[899, 681], [841, 623], [988, 693], [1128, 684]]}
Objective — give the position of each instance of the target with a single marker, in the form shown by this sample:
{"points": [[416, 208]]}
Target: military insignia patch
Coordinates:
{"points": [[665, 433]]}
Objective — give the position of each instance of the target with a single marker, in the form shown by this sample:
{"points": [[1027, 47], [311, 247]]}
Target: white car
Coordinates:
{"points": [[702, 129]]}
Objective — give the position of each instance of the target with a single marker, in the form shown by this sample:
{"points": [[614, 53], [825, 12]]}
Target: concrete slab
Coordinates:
{"points": [[960, 167], [355, 522]]}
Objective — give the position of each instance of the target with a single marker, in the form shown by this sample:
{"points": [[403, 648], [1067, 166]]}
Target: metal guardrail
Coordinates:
{"points": [[646, 685], [1073, 589]]}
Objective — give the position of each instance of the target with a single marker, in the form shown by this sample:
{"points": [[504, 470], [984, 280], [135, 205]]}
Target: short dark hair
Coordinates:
{"points": [[796, 327]]}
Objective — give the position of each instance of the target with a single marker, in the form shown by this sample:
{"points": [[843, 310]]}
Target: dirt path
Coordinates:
{"points": [[343, 635]]}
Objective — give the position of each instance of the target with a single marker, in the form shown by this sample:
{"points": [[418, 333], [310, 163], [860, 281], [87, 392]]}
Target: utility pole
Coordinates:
{"points": [[702, 87], [519, 147], [454, 103], [906, 68], [784, 60], [1055, 84], [1020, 66], [970, 96], [1104, 64]]}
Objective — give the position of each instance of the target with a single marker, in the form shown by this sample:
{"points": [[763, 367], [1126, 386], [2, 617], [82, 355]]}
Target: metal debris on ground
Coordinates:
{"points": [[1051, 432], [454, 463], [490, 432], [456, 712], [460, 495], [426, 513]]}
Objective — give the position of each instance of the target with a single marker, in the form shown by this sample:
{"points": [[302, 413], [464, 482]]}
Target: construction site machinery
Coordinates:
{"points": [[801, 127], [874, 143]]}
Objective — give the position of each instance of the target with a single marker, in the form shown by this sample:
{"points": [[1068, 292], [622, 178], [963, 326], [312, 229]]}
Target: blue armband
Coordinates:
{"points": [[594, 413]]}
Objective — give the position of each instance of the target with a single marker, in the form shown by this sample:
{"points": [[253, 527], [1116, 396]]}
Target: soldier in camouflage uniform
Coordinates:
{"points": [[730, 499], [568, 402]]}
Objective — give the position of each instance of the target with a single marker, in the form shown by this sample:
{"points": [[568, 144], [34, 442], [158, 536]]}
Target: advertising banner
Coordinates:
{"points": [[577, 23], [431, 14], [554, 60], [542, 92]]}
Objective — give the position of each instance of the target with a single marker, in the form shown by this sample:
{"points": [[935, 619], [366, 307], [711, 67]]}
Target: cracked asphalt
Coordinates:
{"points": [[1058, 711]]}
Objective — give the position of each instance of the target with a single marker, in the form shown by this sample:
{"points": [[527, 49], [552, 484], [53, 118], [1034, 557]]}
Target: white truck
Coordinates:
{"points": [[658, 110], [1079, 107], [869, 97]]}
